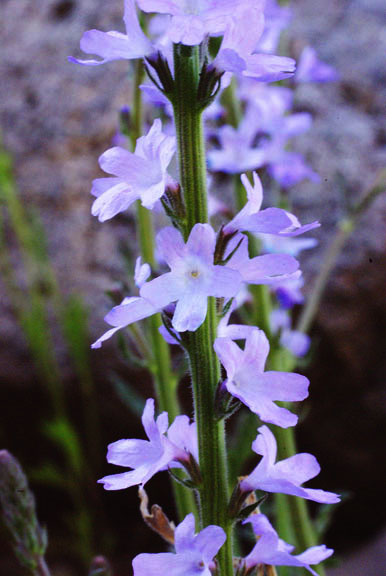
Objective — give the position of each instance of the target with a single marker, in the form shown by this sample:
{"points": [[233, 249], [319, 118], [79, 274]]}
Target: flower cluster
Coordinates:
{"points": [[201, 264]]}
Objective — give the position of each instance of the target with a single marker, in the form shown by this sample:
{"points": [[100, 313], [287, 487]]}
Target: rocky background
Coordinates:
{"points": [[56, 118]]}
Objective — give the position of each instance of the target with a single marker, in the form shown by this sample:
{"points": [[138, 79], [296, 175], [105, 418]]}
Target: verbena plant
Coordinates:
{"points": [[219, 282]]}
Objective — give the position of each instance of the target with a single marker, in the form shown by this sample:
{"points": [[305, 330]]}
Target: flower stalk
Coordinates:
{"points": [[204, 366], [165, 381]]}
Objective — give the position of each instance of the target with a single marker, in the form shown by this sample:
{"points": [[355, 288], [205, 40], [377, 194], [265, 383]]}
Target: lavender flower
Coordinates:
{"points": [[139, 176], [289, 293], [192, 20], [234, 331], [284, 245], [237, 153], [193, 276], [265, 269], [141, 272], [311, 69], [271, 550], [115, 45], [132, 309], [287, 168], [277, 19], [247, 381], [147, 457], [296, 342], [238, 50], [269, 221], [183, 434], [285, 476], [269, 103], [194, 553]]}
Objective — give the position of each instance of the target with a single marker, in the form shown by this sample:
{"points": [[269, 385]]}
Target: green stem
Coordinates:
{"points": [[204, 366], [345, 228], [296, 508], [165, 382], [42, 568], [292, 512]]}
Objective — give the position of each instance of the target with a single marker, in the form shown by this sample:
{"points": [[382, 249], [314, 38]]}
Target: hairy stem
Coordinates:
{"points": [[204, 366]]}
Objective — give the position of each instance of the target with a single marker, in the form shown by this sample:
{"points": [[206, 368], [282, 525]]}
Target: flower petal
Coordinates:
{"points": [[209, 542], [163, 290], [201, 242], [184, 534], [133, 310], [190, 311], [170, 245], [225, 282], [269, 268], [115, 200]]}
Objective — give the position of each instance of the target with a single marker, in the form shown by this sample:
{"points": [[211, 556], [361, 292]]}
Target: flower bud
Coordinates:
{"points": [[100, 566], [209, 85], [19, 513], [160, 64]]}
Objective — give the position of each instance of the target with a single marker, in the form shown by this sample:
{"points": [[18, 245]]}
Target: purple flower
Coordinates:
{"points": [[193, 276], [238, 49], [277, 19], [141, 272], [115, 45], [237, 153], [132, 309], [292, 246], [192, 20], [311, 69], [289, 292], [269, 102], [194, 553], [183, 434], [139, 176], [247, 381], [271, 550], [296, 342], [234, 331], [147, 457], [286, 476], [288, 168], [269, 221], [266, 269]]}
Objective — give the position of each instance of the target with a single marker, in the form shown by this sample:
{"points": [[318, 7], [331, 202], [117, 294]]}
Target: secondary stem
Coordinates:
{"points": [[165, 381], [42, 568], [204, 366]]}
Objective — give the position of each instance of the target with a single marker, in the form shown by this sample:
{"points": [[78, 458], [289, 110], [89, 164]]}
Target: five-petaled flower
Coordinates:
{"points": [[115, 45], [285, 476], [194, 553], [247, 381], [269, 221], [147, 457], [273, 551], [139, 176], [193, 276]]}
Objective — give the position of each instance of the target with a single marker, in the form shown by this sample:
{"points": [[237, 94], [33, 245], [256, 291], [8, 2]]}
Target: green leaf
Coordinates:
{"points": [[62, 433]]}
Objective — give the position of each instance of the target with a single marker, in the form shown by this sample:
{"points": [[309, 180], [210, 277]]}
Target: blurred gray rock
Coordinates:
{"points": [[56, 118]]}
